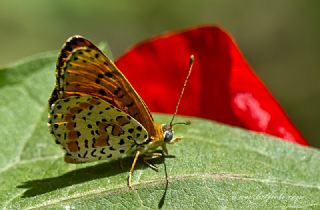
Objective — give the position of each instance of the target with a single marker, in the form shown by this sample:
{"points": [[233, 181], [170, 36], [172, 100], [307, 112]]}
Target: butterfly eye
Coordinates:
{"points": [[168, 135]]}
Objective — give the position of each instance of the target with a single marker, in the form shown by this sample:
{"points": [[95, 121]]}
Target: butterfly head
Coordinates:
{"points": [[168, 134]]}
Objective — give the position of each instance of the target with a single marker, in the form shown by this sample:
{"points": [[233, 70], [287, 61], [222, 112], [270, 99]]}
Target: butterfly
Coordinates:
{"points": [[95, 113]]}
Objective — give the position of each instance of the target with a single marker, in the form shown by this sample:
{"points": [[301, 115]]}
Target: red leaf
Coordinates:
{"points": [[222, 85]]}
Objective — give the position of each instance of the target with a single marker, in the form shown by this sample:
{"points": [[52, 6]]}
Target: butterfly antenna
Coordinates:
{"points": [[191, 61]]}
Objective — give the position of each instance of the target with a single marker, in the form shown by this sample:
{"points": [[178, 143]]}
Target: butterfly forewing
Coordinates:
{"points": [[90, 129], [83, 69]]}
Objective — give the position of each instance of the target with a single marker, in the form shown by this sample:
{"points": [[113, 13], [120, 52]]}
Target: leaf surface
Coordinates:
{"points": [[213, 166]]}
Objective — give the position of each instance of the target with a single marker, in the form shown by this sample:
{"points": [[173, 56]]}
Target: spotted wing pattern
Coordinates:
{"points": [[91, 129], [82, 69]]}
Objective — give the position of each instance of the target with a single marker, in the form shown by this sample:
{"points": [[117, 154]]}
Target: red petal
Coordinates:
{"points": [[222, 85]]}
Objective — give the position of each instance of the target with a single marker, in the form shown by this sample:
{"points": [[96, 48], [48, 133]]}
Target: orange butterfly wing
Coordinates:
{"points": [[82, 69]]}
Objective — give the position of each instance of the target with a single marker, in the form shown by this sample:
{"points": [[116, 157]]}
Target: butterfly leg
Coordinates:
{"points": [[153, 156], [132, 168], [150, 157], [151, 165], [175, 140]]}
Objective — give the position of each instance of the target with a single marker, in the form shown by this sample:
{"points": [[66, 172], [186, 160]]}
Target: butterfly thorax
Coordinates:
{"points": [[154, 141], [163, 135]]}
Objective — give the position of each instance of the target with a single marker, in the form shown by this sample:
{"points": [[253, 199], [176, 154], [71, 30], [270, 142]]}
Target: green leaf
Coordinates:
{"points": [[214, 166]]}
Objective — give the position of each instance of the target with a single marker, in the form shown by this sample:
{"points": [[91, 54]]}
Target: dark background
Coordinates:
{"points": [[280, 39]]}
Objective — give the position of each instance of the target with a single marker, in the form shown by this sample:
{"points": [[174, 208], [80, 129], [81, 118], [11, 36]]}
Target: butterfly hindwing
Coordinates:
{"points": [[83, 69], [90, 129]]}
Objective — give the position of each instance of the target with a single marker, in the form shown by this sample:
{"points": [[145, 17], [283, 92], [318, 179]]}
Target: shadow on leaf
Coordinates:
{"points": [[107, 169], [103, 170]]}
